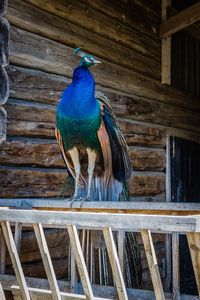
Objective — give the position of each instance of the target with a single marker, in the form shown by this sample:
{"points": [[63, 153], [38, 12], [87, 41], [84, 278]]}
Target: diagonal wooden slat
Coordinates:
{"points": [[44, 251], [15, 260], [115, 265], [78, 254], [153, 264], [2, 295], [194, 246]]}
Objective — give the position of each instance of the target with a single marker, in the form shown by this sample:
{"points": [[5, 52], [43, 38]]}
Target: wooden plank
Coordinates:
{"points": [[2, 253], [166, 49], [115, 264], [96, 220], [78, 254], [120, 246], [42, 294], [153, 265], [193, 243], [100, 291], [15, 260], [39, 233], [180, 21], [175, 266], [18, 236], [2, 295]]}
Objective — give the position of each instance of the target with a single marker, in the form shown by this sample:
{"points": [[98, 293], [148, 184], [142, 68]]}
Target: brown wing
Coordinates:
{"points": [[67, 158], [121, 165]]}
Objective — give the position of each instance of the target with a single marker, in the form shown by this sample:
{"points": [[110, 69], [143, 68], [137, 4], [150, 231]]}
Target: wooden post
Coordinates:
{"points": [[166, 49], [153, 265], [78, 254], [2, 295], [194, 246], [18, 235], [39, 233], [15, 260], [120, 240], [175, 266], [115, 265], [2, 253]]}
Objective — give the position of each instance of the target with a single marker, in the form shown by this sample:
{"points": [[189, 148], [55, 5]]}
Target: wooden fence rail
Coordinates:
{"points": [[107, 222]]}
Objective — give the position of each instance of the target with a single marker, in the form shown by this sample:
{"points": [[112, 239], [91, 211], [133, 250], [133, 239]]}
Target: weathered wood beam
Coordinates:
{"points": [[115, 265], [15, 260], [96, 220], [153, 264], [193, 243], [180, 21], [175, 266], [39, 233], [166, 49], [47, 295], [78, 255]]}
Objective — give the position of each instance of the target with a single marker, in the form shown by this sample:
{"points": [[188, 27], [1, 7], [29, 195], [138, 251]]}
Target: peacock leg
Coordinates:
{"points": [[77, 167], [92, 155]]}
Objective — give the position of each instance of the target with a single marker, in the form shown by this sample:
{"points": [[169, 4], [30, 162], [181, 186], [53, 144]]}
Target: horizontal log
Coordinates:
{"points": [[24, 182], [4, 38], [41, 153], [33, 182], [147, 184], [46, 153], [34, 119], [133, 107], [32, 19], [34, 85], [4, 89], [146, 159], [131, 14], [50, 56], [88, 18]]}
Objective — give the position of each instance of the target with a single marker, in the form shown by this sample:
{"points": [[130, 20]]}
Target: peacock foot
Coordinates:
{"points": [[87, 198], [74, 199]]}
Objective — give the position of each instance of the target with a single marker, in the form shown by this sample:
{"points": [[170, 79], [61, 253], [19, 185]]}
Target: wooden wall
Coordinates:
{"points": [[124, 36]]}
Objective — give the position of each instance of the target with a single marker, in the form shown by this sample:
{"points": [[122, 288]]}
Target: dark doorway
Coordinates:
{"points": [[185, 184]]}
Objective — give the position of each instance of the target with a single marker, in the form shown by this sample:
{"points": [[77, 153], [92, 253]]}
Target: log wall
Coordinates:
{"points": [[124, 36]]}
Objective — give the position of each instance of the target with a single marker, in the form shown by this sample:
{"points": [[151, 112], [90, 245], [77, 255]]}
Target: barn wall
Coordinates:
{"points": [[123, 35]]}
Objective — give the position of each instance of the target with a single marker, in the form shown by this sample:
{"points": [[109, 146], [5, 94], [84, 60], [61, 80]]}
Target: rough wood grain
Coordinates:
{"points": [[85, 16], [50, 56], [147, 184], [33, 182], [46, 153], [32, 19]]}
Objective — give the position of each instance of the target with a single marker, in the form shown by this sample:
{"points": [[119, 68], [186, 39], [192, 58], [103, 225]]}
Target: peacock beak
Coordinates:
{"points": [[97, 61]]}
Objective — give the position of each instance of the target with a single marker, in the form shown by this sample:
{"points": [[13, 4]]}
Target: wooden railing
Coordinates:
{"points": [[119, 217]]}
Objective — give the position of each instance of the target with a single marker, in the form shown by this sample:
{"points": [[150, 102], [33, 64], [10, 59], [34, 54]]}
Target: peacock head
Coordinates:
{"points": [[87, 60]]}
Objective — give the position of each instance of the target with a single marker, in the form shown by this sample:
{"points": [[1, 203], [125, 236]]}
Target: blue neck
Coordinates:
{"points": [[78, 99]]}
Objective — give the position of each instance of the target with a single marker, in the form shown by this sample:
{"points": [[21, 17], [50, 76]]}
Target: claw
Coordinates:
{"points": [[83, 200], [74, 199]]}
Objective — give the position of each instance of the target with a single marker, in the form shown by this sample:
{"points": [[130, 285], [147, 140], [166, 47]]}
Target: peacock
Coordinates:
{"points": [[96, 156], [90, 139]]}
